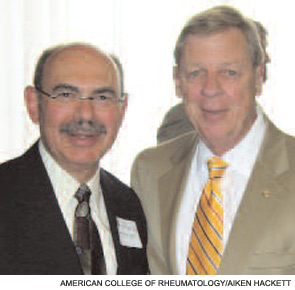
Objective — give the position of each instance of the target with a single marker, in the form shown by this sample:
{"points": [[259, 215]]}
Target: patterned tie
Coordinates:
{"points": [[86, 237], [206, 247]]}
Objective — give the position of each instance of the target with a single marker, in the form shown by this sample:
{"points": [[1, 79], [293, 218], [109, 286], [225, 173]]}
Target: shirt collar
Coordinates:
{"points": [[65, 185], [245, 152]]}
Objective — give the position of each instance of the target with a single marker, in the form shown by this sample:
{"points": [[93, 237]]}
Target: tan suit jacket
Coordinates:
{"points": [[262, 240]]}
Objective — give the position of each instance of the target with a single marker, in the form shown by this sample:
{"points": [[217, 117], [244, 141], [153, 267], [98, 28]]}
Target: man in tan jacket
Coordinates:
{"points": [[176, 121], [219, 73]]}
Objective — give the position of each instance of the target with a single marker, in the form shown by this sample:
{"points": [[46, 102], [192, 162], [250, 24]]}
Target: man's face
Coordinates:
{"points": [[77, 134], [218, 82]]}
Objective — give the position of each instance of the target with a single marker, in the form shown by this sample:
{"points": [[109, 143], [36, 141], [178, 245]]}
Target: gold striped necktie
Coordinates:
{"points": [[206, 246]]}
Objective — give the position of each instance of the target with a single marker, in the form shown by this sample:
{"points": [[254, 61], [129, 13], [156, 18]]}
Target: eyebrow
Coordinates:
{"points": [[105, 90], [66, 87], [76, 89]]}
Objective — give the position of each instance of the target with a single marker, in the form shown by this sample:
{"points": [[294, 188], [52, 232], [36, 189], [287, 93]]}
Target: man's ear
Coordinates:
{"points": [[32, 103], [125, 103], [177, 82], [259, 79]]}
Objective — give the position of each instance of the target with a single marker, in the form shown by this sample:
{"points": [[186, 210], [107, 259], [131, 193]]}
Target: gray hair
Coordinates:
{"points": [[218, 19]]}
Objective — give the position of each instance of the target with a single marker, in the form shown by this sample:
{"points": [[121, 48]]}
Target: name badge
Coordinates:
{"points": [[128, 234]]}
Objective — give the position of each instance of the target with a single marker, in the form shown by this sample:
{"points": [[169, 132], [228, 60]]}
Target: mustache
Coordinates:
{"points": [[83, 126]]}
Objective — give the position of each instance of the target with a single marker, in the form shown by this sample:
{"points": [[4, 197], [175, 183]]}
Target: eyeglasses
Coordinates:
{"points": [[103, 98]]}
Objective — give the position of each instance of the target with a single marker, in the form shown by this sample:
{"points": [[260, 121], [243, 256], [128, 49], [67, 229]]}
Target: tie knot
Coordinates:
{"points": [[83, 193], [216, 167]]}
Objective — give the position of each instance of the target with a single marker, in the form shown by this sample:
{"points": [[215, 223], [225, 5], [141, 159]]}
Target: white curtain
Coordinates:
{"points": [[142, 33]]}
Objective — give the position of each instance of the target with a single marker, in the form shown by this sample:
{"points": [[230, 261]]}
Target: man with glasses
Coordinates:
{"points": [[60, 213]]}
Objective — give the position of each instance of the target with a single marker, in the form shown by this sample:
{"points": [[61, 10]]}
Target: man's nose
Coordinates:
{"points": [[211, 85], [85, 109]]}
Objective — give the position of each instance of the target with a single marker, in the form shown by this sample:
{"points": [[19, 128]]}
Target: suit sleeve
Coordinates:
{"points": [[135, 183]]}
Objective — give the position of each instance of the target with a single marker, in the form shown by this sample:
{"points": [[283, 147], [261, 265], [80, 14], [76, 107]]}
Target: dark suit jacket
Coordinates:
{"points": [[33, 235]]}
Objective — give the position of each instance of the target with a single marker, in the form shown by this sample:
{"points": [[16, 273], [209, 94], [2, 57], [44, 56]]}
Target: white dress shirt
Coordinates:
{"points": [[241, 161], [65, 187]]}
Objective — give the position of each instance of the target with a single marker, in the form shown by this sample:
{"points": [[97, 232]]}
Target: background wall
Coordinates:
{"points": [[142, 33]]}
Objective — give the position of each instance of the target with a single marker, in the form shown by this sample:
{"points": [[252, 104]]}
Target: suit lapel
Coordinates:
{"points": [[171, 187], [41, 221], [119, 201], [263, 192], [108, 194], [116, 206]]}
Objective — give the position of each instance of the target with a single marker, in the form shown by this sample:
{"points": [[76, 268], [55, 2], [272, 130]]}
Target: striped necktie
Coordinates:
{"points": [[206, 247]]}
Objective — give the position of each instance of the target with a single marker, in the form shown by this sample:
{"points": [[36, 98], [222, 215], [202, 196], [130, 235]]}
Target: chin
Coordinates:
{"points": [[84, 157]]}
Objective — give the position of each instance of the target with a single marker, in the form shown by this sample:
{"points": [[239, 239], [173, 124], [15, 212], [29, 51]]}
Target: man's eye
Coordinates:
{"points": [[195, 73], [103, 97], [65, 95], [230, 72]]}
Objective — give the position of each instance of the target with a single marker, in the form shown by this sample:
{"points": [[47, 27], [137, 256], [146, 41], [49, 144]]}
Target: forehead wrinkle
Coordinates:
{"points": [[202, 65]]}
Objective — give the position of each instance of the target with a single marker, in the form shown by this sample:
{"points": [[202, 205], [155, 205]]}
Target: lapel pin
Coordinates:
{"points": [[266, 193]]}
